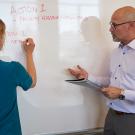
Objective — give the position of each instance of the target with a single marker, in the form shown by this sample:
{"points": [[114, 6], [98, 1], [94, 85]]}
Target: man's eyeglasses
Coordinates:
{"points": [[114, 25]]}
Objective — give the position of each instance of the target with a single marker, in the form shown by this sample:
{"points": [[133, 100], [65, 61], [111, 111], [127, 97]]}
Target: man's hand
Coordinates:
{"points": [[111, 92], [78, 72], [28, 45]]}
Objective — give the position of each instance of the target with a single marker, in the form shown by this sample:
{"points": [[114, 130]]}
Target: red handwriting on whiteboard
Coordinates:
{"points": [[32, 12], [27, 9]]}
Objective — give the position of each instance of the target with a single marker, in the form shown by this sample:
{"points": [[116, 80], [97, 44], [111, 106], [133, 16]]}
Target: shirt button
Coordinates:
{"points": [[115, 78], [124, 53], [119, 65]]}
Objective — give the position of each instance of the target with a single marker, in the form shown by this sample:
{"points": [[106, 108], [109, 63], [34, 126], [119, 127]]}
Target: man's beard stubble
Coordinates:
{"points": [[115, 38]]}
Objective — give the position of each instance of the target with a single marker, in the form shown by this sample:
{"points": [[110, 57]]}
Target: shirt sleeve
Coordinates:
{"points": [[22, 78], [129, 95], [103, 81]]}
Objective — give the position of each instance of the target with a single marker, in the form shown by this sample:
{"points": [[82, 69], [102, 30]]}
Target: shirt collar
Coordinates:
{"points": [[130, 44]]}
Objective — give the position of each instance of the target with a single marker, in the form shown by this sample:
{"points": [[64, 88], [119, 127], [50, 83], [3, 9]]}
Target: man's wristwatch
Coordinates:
{"points": [[122, 96]]}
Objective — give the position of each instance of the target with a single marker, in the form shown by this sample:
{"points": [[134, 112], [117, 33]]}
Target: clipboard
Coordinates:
{"points": [[85, 83]]}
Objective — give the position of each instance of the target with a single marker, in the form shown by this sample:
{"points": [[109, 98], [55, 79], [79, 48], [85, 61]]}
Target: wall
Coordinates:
{"points": [[66, 33]]}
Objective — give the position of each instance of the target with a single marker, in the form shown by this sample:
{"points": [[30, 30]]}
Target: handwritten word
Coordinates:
{"points": [[12, 34], [14, 42], [46, 18], [27, 9]]}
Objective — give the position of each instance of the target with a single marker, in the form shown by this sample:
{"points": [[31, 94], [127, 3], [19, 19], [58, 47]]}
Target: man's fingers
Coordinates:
{"points": [[72, 71], [104, 90], [79, 67]]}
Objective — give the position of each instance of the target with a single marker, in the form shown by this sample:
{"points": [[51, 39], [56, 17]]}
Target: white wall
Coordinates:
{"points": [[71, 37]]}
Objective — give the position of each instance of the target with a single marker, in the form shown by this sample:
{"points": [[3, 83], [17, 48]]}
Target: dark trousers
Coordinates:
{"points": [[118, 123]]}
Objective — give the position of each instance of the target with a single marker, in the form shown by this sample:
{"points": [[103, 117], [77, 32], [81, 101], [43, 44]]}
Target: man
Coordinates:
{"points": [[120, 92], [13, 74]]}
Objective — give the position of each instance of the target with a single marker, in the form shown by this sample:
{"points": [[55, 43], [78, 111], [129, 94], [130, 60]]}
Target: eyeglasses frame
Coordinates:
{"points": [[114, 25]]}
